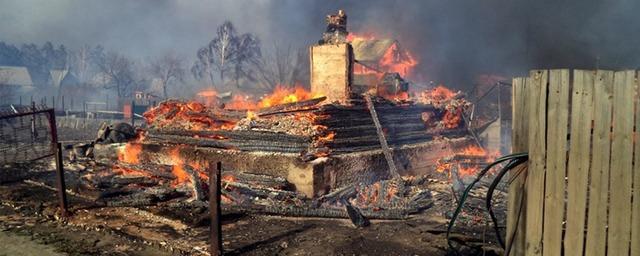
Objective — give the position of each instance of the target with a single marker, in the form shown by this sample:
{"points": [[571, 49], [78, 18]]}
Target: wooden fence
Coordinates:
{"points": [[580, 193]]}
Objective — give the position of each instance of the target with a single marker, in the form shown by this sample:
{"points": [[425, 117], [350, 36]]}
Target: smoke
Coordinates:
{"points": [[454, 40]]}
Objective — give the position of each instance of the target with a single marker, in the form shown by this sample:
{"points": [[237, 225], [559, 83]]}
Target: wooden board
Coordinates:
{"points": [[515, 211], [558, 121], [537, 146], [579, 160], [599, 184], [621, 164], [635, 208]]}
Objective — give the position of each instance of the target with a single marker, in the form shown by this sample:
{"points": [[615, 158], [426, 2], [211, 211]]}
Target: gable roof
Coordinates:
{"points": [[370, 50], [57, 75], [13, 75]]}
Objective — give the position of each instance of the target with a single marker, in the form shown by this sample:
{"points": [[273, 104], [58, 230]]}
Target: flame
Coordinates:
{"points": [[129, 154], [283, 95], [208, 97], [474, 150], [394, 59], [352, 36], [452, 118], [444, 98], [322, 140], [178, 166], [129, 172], [252, 115], [241, 102], [192, 115], [398, 61], [467, 162], [437, 95]]}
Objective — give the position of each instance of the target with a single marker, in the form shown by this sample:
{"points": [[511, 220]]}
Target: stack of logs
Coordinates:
{"points": [[351, 128]]}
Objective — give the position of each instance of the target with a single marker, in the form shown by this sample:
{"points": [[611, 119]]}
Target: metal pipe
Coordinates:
{"points": [[215, 210]]}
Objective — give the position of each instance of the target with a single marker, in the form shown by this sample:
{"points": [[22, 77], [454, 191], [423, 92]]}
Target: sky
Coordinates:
{"points": [[454, 40]]}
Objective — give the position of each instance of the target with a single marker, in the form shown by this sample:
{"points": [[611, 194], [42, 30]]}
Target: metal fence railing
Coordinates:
{"points": [[28, 133]]}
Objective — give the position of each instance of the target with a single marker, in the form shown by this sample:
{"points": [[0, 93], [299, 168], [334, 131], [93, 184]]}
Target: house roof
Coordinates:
{"points": [[12, 75], [57, 75], [372, 50]]}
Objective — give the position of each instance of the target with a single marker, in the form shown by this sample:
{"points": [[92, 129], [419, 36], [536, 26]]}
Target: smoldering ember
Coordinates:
{"points": [[347, 143]]}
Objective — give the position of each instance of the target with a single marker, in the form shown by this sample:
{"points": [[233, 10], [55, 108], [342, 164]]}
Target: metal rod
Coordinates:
{"points": [[214, 209]]}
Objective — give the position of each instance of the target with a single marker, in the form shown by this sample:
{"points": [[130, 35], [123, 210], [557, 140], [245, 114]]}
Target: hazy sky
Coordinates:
{"points": [[453, 39]]}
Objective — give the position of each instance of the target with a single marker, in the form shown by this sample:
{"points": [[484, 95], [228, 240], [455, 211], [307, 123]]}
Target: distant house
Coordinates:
{"points": [[15, 76], [14, 82], [60, 78], [380, 56], [370, 52]]}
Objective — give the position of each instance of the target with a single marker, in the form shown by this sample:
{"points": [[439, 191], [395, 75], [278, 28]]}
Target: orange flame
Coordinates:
{"points": [[178, 166], [437, 95], [129, 154], [394, 59], [193, 115], [398, 61], [208, 97], [467, 162], [283, 95], [352, 36]]}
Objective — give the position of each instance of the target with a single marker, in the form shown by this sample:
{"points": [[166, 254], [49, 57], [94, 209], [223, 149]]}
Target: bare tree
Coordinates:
{"points": [[83, 61], [169, 70], [228, 51], [282, 66], [119, 71], [248, 51]]}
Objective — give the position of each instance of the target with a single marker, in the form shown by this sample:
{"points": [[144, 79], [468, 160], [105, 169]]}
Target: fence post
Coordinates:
{"points": [[133, 113], [57, 147], [62, 192], [214, 208]]}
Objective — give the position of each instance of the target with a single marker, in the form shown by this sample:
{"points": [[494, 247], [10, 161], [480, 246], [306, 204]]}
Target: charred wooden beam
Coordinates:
{"points": [[287, 107], [197, 185], [393, 170]]}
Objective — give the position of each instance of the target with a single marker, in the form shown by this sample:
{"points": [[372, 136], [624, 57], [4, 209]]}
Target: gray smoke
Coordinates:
{"points": [[454, 40]]}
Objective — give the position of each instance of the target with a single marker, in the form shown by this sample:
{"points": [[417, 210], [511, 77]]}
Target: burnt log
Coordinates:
{"points": [[230, 135], [153, 170], [198, 190], [259, 180], [288, 107]]}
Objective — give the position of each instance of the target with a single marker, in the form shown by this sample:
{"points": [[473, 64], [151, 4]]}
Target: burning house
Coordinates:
{"points": [[336, 135], [357, 143]]}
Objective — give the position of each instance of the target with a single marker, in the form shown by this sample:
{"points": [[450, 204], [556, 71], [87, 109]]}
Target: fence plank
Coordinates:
{"points": [[635, 208], [558, 121], [516, 214], [535, 180], [599, 185], [621, 164], [578, 168]]}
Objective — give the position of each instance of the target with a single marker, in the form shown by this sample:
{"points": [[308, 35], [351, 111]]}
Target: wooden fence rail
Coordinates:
{"points": [[580, 191]]}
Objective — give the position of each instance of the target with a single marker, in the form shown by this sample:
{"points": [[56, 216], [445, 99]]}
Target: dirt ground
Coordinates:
{"points": [[30, 224]]}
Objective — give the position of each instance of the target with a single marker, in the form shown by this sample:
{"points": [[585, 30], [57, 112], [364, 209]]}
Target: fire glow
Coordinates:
{"points": [[394, 59], [465, 163]]}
